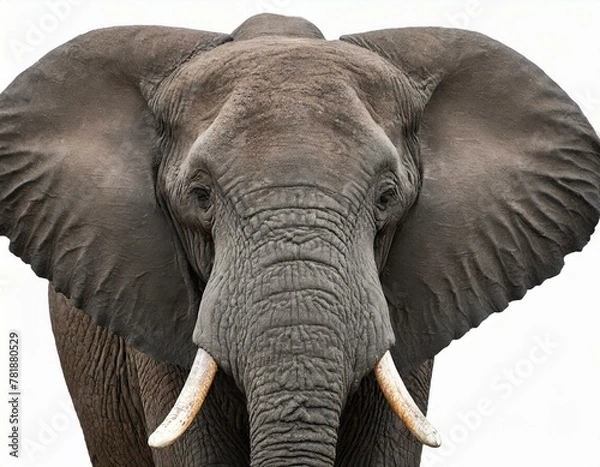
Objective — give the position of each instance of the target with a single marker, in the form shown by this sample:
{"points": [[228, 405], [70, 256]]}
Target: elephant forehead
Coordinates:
{"points": [[293, 139], [295, 80], [277, 61], [293, 107]]}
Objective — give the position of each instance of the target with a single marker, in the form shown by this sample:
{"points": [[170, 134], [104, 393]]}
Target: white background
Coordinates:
{"points": [[499, 396]]}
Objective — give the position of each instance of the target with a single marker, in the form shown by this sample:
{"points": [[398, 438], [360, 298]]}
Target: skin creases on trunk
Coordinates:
{"points": [[297, 390], [300, 353], [299, 360]]}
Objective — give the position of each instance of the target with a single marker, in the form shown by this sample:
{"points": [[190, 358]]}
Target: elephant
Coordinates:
{"points": [[258, 242]]}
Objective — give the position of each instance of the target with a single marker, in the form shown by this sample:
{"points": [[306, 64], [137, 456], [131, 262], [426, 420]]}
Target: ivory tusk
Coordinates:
{"points": [[403, 404], [188, 403]]}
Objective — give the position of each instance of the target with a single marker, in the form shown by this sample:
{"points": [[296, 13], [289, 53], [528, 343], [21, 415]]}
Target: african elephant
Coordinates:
{"points": [[298, 224]]}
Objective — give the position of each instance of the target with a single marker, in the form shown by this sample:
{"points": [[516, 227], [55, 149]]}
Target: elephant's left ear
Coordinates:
{"points": [[78, 164], [511, 184]]}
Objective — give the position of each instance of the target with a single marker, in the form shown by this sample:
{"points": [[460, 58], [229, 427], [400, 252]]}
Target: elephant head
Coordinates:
{"points": [[291, 210]]}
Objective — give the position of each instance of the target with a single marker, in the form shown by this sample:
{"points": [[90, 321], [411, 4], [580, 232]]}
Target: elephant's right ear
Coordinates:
{"points": [[78, 162], [511, 184]]}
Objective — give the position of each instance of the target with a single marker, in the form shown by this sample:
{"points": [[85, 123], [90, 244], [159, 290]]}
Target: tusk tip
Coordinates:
{"points": [[159, 439], [433, 439]]}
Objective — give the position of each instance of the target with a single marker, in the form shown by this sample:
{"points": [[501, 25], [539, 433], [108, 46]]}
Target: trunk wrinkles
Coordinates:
{"points": [[299, 365], [295, 397]]}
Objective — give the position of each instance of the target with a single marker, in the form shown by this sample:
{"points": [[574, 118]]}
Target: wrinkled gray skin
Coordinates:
{"points": [[265, 196]]}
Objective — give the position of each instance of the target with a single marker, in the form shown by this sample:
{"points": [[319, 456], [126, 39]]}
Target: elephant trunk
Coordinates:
{"points": [[299, 358], [295, 408]]}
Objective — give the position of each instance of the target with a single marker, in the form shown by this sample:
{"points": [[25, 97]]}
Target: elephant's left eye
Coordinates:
{"points": [[202, 195], [387, 197]]}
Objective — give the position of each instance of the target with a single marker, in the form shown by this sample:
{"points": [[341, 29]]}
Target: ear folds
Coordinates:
{"points": [[78, 163], [511, 184]]}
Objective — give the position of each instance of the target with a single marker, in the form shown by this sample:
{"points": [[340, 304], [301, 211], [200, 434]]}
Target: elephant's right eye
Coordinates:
{"points": [[202, 195]]}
